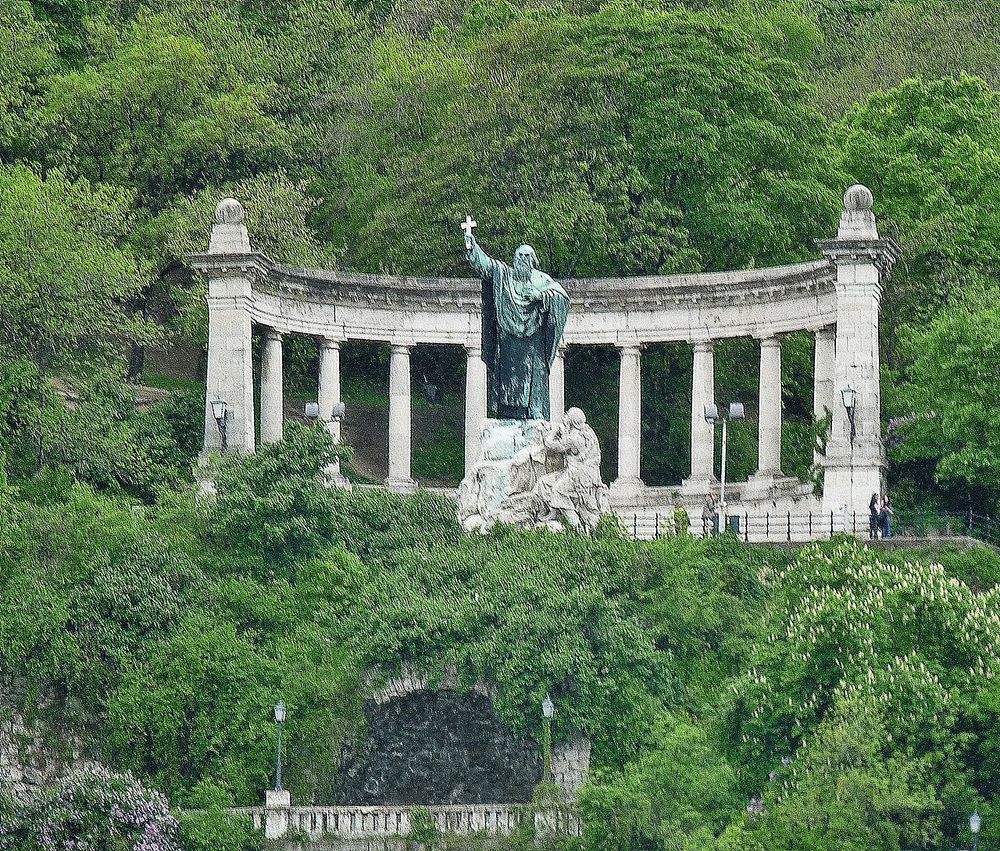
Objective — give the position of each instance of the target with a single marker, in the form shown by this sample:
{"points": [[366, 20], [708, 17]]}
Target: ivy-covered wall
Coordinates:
{"points": [[439, 747]]}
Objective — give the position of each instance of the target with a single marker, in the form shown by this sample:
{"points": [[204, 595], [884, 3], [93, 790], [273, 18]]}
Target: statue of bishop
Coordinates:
{"points": [[524, 315]]}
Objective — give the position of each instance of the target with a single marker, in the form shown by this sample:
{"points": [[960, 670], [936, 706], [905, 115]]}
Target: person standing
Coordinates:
{"points": [[873, 517], [886, 517]]}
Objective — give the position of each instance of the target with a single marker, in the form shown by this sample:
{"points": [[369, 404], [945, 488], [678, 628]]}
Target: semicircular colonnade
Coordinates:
{"points": [[837, 298]]}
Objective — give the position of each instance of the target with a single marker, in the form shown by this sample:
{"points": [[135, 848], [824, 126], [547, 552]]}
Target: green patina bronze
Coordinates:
{"points": [[524, 315]]}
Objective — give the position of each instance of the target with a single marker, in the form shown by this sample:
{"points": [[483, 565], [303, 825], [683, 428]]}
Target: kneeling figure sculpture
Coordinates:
{"points": [[533, 473]]}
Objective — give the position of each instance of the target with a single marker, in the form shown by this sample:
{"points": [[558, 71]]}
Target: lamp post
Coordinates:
{"points": [[279, 718], [736, 414], [312, 412], [548, 710], [850, 397], [975, 822], [219, 412]]}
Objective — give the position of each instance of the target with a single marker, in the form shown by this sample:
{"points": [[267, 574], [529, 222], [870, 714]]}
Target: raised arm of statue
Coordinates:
{"points": [[479, 259]]}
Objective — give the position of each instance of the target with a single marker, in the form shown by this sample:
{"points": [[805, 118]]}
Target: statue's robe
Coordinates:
{"points": [[521, 334]]}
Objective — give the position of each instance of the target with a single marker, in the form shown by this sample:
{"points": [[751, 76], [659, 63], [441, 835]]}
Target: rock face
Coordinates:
{"points": [[535, 473], [439, 747], [37, 750]]}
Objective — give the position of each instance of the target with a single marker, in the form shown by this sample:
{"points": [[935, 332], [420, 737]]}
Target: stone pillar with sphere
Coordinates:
{"points": [[229, 402], [854, 464]]}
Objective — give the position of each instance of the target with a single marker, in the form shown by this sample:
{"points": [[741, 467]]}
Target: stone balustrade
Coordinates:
{"points": [[364, 823]]}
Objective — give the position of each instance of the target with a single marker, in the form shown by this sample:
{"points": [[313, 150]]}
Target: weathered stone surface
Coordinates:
{"points": [[439, 747], [39, 747], [535, 473]]}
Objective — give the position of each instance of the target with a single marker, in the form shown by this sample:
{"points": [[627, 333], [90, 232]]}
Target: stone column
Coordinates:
{"points": [[628, 487], [271, 388], [769, 411], [328, 397], [557, 386], [475, 403], [400, 417], [329, 384], [702, 432], [824, 363], [230, 364], [855, 468]]}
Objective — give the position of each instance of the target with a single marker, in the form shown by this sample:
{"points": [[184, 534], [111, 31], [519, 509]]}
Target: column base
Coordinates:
{"points": [[407, 487], [762, 485], [700, 486], [851, 475], [627, 491], [333, 478]]}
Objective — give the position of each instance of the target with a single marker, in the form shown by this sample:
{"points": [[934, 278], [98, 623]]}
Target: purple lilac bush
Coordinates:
{"points": [[93, 810]]}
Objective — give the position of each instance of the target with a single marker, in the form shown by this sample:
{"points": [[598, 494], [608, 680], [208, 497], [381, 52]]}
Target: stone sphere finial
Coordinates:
{"points": [[229, 212], [858, 197]]}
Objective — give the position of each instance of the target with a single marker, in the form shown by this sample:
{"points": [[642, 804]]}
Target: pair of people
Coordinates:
{"points": [[880, 517]]}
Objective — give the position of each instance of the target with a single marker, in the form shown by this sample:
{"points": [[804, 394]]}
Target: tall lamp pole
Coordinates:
{"points": [[279, 719], [975, 822], [548, 710], [736, 413]]}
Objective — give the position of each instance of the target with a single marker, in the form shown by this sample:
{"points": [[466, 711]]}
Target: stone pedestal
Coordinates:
{"points": [[534, 473], [276, 806]]}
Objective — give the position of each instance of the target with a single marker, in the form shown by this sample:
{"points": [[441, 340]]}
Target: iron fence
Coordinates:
{"points": [[800, 527]]}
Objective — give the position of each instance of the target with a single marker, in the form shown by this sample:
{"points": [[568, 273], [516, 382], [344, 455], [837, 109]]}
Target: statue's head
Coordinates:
{"points": [[525, 260], [575, 418]]}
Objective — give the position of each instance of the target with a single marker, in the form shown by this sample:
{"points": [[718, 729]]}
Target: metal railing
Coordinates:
{"points": [[801, 527]]}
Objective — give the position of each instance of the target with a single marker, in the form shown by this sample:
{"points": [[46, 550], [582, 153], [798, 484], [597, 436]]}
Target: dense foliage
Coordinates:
{"points": [[853, 694], [619, 138], [850, 701]]}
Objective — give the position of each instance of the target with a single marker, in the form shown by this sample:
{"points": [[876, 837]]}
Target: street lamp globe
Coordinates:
{"points": [[548, 707], [312, 411], [975, 822], [849, 395], [219, 410], [711, 413], [737, 412], [279, 712]]}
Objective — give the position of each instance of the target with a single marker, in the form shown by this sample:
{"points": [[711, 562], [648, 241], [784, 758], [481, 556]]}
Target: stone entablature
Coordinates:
{"points": [[655, 309], [837, 298]]}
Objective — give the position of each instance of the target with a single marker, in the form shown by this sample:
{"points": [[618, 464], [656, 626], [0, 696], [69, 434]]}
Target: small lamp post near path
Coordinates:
{"points": [[736, 414], [850, 397], [975, 822], [219, 410], [279, 718], [548, 710]]}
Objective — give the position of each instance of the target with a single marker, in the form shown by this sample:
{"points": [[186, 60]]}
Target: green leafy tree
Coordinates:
{"points": [[29, 57], [65, 291], [626, 141], [955, 360], [680, 793], [274, 506]]}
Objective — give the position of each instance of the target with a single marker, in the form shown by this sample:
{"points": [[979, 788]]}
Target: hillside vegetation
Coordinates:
{"points": [[854, 692], [618, 138], [851, 696]]}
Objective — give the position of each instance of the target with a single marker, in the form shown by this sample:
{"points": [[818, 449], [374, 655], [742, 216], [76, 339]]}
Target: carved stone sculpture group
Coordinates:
{"points": [[534, 473]]}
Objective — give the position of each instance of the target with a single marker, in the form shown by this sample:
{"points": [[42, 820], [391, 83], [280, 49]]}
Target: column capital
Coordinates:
{"points": [[630, 349], [827, 332], [400, 348], [330, 342], [770, 341], [473, 350], [273, 334], [703, 345]]}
